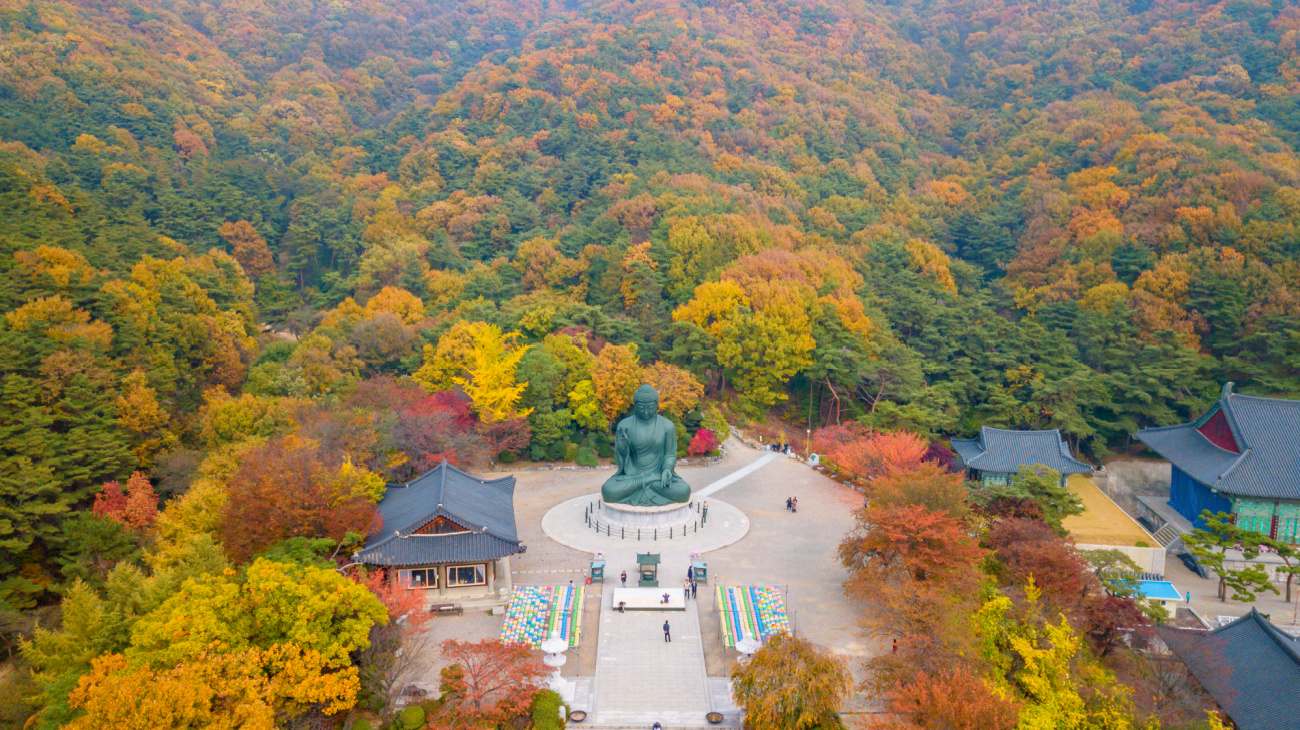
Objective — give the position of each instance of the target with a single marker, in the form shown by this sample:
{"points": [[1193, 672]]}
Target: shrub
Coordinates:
{"points": [[1141, 543], [507, 457], [362, 724], [555, 450], [432, 706], [713, 420], [546, 711], [412, 718], [604, 449], [570, 452], [586, 457], [703, 443], [537, 452]]}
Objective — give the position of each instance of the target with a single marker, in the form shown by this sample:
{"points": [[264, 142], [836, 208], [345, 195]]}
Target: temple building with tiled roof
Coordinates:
{"points": [[996, 454], [1241, 457], [449, 533], [1249, 667]]}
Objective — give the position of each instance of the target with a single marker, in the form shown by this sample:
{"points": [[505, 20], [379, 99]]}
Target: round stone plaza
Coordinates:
{"points": [[623, 673]]}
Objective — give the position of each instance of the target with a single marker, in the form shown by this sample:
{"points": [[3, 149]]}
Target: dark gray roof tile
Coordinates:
{"points": [[459, 547], [484, 507], [1249, 667], [1000, 450], [1269, 464]]}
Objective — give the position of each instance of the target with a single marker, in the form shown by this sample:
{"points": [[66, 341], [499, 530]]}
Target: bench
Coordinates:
{"points": [[441, 608]]}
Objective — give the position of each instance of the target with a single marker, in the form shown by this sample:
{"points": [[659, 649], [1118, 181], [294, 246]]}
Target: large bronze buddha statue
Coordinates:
{"points": [[645, 448]]}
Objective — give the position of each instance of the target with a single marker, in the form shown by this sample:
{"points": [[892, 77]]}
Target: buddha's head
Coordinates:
{"points": [[645, 403]]}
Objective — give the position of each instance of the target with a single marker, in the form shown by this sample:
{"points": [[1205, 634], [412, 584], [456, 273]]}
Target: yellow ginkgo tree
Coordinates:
{"points": [[480, 359], [1044, 665]]}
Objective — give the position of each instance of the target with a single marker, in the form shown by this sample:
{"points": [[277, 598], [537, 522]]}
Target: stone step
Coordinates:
{"points": [[1167, 534], [671, 720]]}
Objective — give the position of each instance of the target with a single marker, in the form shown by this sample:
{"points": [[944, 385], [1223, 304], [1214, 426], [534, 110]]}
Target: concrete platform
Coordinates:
{"points": [[650, 599]]}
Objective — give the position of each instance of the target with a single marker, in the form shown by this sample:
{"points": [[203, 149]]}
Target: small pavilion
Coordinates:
{"points": [[997, 454], [449, 533]]}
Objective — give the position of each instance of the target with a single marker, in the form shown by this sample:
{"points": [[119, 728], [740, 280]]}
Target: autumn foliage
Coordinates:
{"points": [[292, 488], [863, 454], [702, 443], [136, 508], [947, 699], [488, 682], [928, 485]]}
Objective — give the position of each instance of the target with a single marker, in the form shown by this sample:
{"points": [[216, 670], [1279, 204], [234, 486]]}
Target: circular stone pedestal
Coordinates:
{"points": [[633, 517], [573, 524]]}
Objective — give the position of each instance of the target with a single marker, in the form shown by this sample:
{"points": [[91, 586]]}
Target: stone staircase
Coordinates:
{"points": [[1167, 535]]}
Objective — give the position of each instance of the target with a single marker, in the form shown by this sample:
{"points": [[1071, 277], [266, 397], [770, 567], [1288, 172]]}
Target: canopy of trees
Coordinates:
{"points": [[353, 239]]}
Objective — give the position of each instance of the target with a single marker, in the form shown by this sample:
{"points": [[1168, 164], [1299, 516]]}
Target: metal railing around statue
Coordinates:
{"points": [[591, 518]]}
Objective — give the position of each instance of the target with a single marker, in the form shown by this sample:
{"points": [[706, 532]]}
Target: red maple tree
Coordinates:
{"points": [[489, 682], [702, 443], [136, 507]]}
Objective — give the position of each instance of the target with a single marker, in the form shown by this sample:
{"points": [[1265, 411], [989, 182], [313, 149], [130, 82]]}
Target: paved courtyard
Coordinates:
{"points": [[793, 551]]}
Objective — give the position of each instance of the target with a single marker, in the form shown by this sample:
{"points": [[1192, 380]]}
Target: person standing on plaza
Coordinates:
{"points": [[686, 588], [668, 637], [693, 587], [623, 578], [788, 503]]}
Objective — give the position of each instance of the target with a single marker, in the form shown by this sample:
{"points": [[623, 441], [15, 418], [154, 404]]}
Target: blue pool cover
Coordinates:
{"points": [[1159, 589]]}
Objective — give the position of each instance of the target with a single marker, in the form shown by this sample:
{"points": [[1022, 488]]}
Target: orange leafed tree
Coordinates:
{"points": [[678, 390], [136, 508], [867, 455], [928, 485], [248, 247], [952, 700], [288, 488], [913, 567], [616, 376], [488, 682], [397, 649]]}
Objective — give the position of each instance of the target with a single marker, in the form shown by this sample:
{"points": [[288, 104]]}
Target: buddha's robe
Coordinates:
{"points": [[644, 451]]}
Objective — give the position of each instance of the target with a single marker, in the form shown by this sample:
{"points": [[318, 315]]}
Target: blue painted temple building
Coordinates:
{"points": [[1241, 457]]}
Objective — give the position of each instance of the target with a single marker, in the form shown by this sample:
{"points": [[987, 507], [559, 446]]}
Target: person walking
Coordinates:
{"points": [[623, 578], [794, 504], [788, 503], [668, 637]]}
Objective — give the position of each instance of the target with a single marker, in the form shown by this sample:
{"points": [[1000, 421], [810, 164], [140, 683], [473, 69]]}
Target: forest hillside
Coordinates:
{"points": [[344, 240]]}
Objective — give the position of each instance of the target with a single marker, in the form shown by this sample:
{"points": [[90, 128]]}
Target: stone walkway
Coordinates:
{"points": [[796, 551], [641, 679]]}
